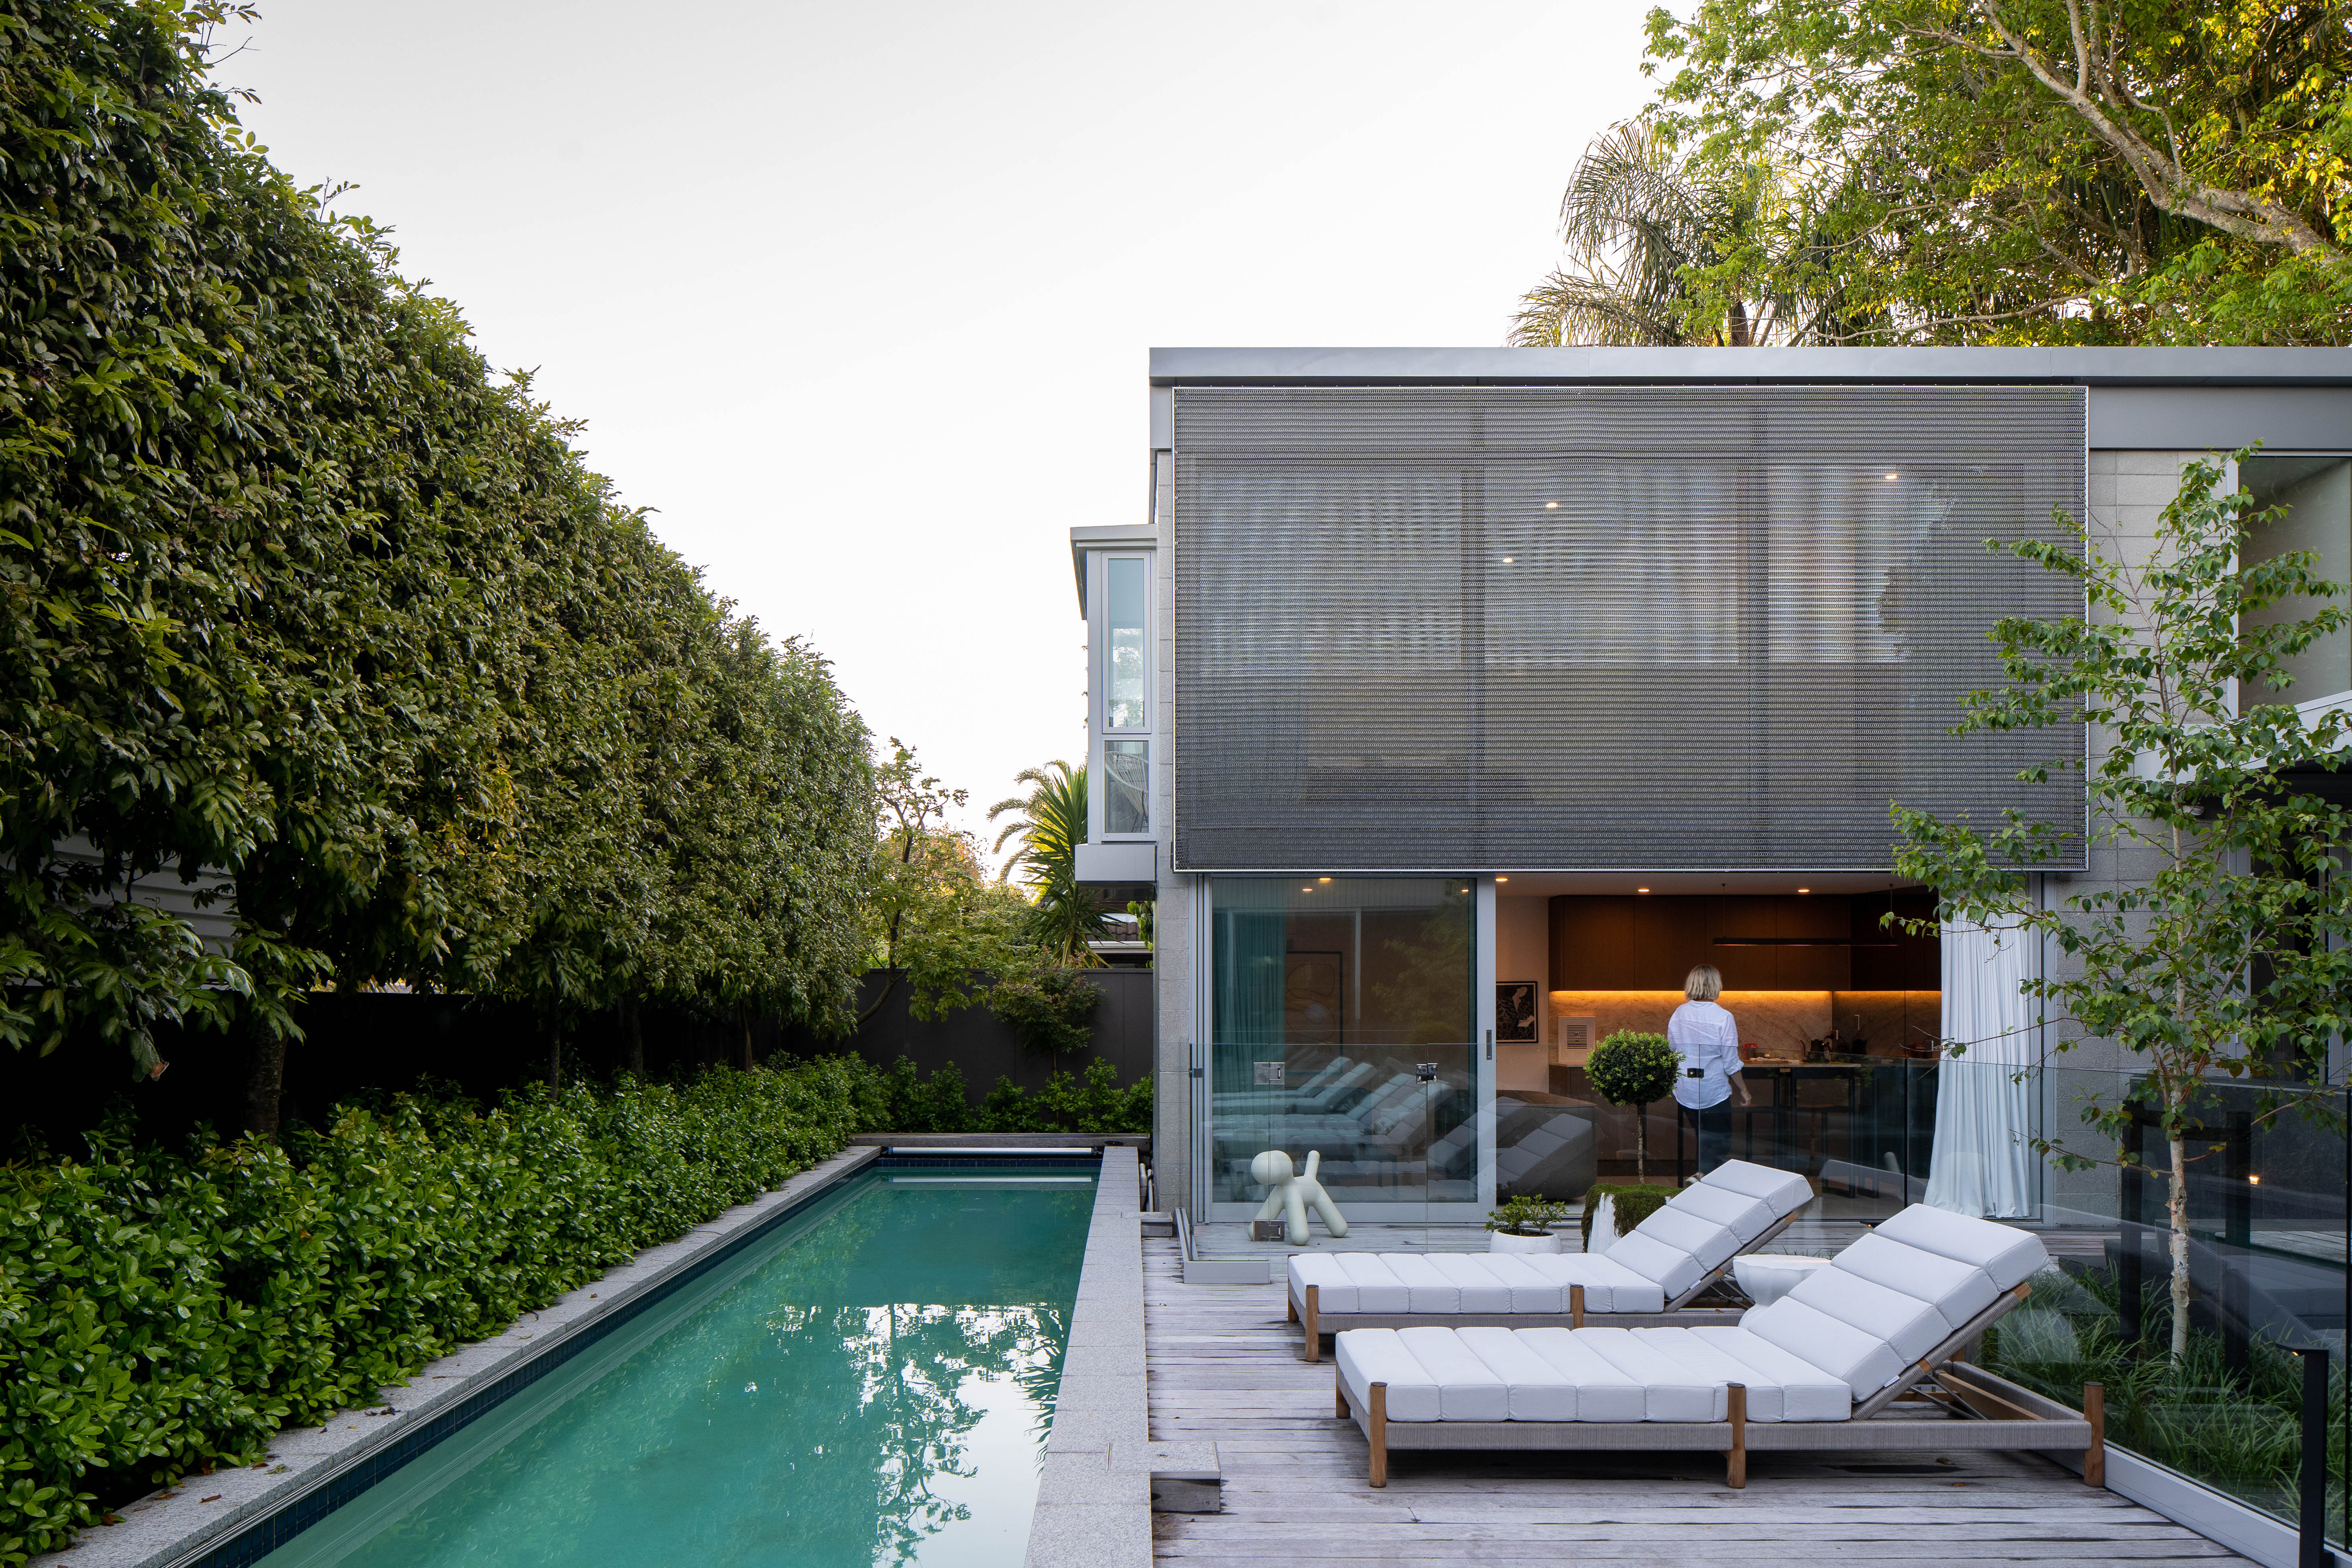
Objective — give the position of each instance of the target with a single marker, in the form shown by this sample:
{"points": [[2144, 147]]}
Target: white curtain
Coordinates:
{"points": [[1981, 1164]]}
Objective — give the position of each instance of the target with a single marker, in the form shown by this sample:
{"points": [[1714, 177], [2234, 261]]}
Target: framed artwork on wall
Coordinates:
{"points": [[1515, 1012]]}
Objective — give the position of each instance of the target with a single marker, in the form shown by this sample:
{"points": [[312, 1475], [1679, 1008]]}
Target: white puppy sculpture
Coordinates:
{"points": [[1292, 1195]]}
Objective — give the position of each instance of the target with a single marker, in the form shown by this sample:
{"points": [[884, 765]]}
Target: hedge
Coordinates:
{"points": [[163, 1313], [1066, 1104]]}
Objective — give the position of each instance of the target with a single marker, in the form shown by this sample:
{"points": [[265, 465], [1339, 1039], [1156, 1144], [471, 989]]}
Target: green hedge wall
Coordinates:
{"points": [[163, 1313]]}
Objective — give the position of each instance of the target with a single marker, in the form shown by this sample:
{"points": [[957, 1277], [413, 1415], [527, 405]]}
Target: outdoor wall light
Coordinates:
{"points": [[1322, 878], [1506, 559], [1551, 506], [1804, 889], [2253, 1181], [1641, 890], [1502, 878], [1894, 476]]}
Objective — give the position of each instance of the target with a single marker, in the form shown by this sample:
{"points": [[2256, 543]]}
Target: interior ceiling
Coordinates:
{"points": [[1549, 884]]}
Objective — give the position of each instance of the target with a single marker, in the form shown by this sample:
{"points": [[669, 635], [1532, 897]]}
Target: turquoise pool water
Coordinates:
{"points": [[870, 1385]]}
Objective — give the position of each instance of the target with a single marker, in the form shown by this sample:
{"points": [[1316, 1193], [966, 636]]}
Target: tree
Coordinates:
{"points": [[2235, 956], [300, 606], [1634, 1069], [933, 915], [1660, 246], [2038, 171], [1050, 822]]}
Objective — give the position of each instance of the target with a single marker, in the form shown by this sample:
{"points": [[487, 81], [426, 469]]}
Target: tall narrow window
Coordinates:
{"points": [[1123, 706], [1127, 780]]}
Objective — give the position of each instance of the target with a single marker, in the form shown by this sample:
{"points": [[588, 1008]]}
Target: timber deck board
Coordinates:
{"points": [[1222, 1364]]}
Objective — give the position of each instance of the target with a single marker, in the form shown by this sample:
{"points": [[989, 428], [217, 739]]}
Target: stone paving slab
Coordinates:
{"points": [[1093, 1512]]}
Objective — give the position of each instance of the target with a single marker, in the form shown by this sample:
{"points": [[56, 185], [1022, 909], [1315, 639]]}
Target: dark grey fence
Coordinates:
{"points": [[983, 1047]]}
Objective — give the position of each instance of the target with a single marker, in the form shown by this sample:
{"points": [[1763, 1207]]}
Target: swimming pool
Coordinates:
{"points": [[870, 1382]]}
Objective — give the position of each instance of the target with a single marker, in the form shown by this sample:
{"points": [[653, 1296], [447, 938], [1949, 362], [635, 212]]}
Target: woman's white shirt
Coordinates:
{"points": [[1704, 1034]]}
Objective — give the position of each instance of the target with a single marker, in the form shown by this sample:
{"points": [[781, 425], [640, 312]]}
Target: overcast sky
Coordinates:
{"points": [[858, 297]]}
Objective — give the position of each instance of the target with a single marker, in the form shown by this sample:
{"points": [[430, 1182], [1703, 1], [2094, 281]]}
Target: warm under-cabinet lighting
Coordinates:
{"points": [[1502, 878], [1804, 889], [1641, 890]]}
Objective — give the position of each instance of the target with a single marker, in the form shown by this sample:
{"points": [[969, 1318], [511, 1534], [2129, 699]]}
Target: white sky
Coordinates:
{"points": [[859, 296]]}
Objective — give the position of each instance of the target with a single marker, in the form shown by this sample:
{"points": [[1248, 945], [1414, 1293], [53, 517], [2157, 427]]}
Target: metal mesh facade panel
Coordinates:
{"points": [[1557, 629]]}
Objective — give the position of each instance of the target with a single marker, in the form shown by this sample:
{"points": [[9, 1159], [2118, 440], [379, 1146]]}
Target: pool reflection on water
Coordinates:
{"points": [[871, 1385]]}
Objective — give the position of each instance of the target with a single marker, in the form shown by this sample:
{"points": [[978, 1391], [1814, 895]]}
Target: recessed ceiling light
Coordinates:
{"points": [[1305, 889], [1551, 506], [1894, 476], [1508, 560]]}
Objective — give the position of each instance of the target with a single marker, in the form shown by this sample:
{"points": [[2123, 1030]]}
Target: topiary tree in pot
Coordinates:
{"points": [[1634, 1069]]}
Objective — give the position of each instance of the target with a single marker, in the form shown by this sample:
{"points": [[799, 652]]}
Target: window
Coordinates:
{"points": [[2314, 497], [1126, 796], [1125, 665]]}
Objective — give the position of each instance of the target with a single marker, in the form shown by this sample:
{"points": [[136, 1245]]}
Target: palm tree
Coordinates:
{"points": [[1641, 223], [1050, 821]]}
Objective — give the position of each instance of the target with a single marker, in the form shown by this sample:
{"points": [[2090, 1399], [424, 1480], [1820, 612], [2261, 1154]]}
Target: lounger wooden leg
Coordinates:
{"points": [[1736, 1465], [1306, 1317], [1289, 1308], [1575, 1306], [1377, 1418], [1338, 1394], [2094, 1458]]}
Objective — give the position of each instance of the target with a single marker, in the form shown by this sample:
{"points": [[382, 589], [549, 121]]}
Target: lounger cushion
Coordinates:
{"points": [[1609, 1285], [2010, 1256], [1538, 1390], [1910, 1327], [1747, 1218], [1710, 1242], [1671, 1391], [1467, 1388], [1766, 1399], [1605, 1391], [1672, 1268], [1369, 1286], [1951, 1287], [1436, 1284], [1532, 1291], [1785, 1191], [1807, 1393], [1321, 1099], [1863, 1361], [1367, 1356]]}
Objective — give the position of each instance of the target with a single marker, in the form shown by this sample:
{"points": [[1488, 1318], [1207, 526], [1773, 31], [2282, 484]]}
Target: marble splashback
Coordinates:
{"points": [[1782, 1022]]}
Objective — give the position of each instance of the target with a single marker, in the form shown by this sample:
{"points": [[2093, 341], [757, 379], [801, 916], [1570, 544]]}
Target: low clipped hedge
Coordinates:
{"points": [[1631, 1203], [165, 1313]]}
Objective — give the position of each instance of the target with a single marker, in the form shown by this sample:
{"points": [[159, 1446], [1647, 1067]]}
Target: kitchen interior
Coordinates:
{"points": [[1838, 1009]]}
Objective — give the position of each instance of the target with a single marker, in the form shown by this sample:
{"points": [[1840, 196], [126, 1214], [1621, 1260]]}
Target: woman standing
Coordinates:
{"points": [[1704, 1035]]}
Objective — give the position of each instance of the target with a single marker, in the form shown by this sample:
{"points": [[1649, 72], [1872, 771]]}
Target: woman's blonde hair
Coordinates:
{"points": [[1703, 983]]}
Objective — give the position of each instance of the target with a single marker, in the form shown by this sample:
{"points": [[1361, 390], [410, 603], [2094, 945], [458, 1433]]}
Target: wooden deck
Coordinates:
{"points": [[1222, 1367]]}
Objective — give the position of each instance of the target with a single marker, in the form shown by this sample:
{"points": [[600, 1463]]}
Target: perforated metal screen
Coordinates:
{"points": [[1471, 628]]}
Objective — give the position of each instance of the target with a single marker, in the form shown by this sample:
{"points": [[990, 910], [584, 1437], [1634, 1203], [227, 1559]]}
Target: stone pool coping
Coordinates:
{"points": [[1094, 1494], [181, 1523]]}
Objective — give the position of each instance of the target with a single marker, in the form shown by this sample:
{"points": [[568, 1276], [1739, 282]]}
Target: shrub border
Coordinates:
{"points": [[327, 1467]]}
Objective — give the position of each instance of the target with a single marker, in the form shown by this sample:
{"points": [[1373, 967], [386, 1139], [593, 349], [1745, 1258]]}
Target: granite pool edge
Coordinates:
{"points": [[183, 1523], [1094, 1498]]}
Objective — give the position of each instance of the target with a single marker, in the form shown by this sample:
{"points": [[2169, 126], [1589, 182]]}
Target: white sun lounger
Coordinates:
{"points": [[1821, 1369], [1659, 1269]]}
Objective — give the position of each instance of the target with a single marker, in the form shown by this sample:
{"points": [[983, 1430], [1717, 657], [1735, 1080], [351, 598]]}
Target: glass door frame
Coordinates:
{"points": [[1482, 1056]]}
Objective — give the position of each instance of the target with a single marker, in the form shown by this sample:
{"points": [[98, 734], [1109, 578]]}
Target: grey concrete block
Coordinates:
{"points": [[1100, 1535]]}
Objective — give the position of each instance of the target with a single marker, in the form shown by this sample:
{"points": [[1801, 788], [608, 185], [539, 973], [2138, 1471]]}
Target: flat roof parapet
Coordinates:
{"points": [[1521, 367]]}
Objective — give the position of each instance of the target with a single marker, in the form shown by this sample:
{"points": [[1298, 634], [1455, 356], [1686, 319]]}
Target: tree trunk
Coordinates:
{"points": [[881, 996], [2177, 1211], [744, 1015], [265, 1083], [554, 1054], [1642, 1143], [633, 1038], [1740, 334]]}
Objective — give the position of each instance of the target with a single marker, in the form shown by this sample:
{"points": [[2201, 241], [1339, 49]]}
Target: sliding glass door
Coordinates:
{"points": [[1346, 1021]]}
